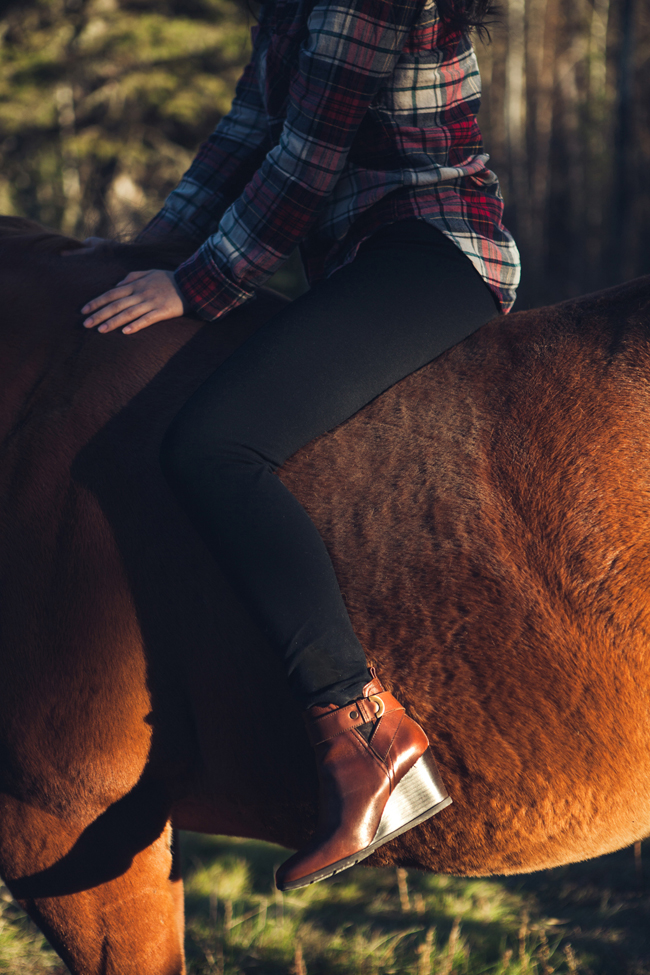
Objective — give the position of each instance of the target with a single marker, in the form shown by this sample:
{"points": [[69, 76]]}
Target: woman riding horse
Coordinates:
{"points": [[352, 134]]}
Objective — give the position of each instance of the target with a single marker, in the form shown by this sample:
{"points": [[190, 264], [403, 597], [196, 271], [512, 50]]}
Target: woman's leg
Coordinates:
{"points": [[397, 306]]}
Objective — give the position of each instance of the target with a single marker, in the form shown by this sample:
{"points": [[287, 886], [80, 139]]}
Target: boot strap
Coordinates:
{"points": [[361, 711]]}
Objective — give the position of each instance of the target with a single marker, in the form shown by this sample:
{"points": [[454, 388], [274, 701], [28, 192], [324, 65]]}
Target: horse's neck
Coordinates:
{"points": [[51, 366], [49, 361]]}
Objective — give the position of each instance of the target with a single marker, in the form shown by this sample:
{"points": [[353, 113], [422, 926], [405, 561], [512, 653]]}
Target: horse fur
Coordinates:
{"points": [[489, 522]]}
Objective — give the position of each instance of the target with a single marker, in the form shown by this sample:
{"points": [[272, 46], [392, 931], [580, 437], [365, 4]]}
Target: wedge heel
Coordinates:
{"points": [[420, 795]]}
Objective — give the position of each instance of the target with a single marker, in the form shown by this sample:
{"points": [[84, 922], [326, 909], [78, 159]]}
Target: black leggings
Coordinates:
{"points": [[409, 294]]}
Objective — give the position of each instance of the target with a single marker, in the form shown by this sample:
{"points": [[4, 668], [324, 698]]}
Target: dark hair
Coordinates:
{"points": [[467, 15], [458, 16]]}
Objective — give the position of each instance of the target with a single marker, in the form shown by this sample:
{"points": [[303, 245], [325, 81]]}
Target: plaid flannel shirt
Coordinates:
{"points": [[352, 114]]}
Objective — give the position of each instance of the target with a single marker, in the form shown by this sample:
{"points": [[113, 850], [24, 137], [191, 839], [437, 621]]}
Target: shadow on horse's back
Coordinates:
{"points": [[488, 521]]}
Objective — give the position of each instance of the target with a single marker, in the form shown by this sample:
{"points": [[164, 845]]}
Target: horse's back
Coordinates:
{"points": [[488, 520]]}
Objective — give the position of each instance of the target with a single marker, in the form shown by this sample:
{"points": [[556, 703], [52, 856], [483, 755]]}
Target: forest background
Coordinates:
{"points": [[104, 102], [102, 106]]}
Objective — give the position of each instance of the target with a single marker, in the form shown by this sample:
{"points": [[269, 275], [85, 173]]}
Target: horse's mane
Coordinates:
{"points": [[34, 237], [41, 241]]}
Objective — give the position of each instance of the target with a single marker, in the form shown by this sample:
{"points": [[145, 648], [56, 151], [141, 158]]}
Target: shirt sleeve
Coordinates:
{"points": [[350, 50], [223, 165]]}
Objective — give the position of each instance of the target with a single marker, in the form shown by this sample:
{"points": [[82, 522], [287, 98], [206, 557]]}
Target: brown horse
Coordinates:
{"points": [[489, 520]]}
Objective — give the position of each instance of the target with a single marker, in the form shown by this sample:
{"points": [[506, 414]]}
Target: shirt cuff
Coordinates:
{"points": [[206, 291]]}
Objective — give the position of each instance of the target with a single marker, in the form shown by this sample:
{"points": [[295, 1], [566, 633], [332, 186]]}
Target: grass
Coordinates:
{"points": [[591, 918], [23, 949]]}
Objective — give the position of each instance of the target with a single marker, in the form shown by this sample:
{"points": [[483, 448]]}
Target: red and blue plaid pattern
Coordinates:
{"points": [[350, 115]]}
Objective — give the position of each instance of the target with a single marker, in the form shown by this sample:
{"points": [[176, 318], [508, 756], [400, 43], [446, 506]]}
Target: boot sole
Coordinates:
{"points": [[419, 796]]}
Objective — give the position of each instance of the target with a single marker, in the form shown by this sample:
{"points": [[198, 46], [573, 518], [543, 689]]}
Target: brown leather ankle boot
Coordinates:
{"points": [[370, 790]]}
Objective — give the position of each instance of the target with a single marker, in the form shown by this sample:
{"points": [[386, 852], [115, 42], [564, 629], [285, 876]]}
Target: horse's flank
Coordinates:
{"points": [[489, 521]]}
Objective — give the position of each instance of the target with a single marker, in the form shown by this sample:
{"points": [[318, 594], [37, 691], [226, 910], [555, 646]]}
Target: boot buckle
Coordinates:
{"points": [[380, 707]]}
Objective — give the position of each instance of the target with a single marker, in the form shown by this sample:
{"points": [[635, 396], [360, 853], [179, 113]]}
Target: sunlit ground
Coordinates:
{"points": [[591, 918]]}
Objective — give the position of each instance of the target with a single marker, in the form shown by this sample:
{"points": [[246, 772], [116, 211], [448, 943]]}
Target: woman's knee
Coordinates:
{"points": [[193, 451]]}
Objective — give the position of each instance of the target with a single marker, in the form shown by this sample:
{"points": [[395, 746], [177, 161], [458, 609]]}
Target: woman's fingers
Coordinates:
{"points": [[134, 318], [150, 318], [115, 294], [122, 289], [112, 309], [116, 320], [142, 298]]}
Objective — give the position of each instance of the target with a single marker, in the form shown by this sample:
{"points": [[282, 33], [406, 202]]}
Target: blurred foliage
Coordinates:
{"points": [[566, 119], [23, 949], [103, 103]]}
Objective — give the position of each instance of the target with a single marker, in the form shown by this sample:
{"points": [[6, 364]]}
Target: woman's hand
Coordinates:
{"points": [[139, 300]]}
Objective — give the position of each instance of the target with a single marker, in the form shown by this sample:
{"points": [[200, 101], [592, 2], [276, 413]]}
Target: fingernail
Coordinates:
{"points": [[85, 309], [88, 322], [127, 330], [103, 328]]}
